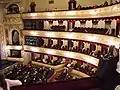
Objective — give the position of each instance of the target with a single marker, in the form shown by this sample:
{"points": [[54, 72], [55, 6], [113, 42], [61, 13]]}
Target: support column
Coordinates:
{"points": [[27, 58]]}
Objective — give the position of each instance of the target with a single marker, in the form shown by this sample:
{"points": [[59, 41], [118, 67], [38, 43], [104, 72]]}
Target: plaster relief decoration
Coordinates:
{"points": [[3, 42], [13, 19], [13, 22]]}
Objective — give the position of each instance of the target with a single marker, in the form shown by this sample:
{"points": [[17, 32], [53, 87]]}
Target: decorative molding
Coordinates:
{"points": [[13, 22], [15, 47], [13, 19]]}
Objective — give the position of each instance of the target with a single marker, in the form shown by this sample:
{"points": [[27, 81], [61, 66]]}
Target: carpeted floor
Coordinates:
{"points": [[5, 63]]}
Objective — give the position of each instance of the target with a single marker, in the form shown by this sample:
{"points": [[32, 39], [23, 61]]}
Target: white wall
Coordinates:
{"points": [[41, 5], [25, 5], [2, 33], [1, 13]]}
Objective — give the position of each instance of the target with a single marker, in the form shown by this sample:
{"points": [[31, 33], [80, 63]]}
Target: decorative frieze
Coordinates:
{"points": [[13, 19]]}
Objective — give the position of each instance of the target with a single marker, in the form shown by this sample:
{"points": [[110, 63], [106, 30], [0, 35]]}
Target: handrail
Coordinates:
{"points": [[79, 84]]}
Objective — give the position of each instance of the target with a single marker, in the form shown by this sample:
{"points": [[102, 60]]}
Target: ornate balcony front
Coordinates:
{"points": [[110, 11]]}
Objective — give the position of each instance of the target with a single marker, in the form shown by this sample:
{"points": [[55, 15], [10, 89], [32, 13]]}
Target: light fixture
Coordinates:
{"points": [[111, 42], [17, 47], [50, 51], [71, 13], [67, 54], [33, 14], [93, 12], [92, 61], [50, 34], [34, 49], [70, 36], [50, 14], [7, 47], [92, 38], [33, 33]]}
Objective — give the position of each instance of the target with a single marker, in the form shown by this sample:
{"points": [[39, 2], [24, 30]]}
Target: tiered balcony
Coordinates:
{"points": [[68, 35]]}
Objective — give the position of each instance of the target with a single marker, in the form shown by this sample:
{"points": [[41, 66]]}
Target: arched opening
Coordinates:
{"points": [[13, 8], [15, 37]]}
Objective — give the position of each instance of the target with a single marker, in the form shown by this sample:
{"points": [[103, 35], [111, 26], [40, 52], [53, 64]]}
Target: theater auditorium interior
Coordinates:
{"points": [[56, 44]]}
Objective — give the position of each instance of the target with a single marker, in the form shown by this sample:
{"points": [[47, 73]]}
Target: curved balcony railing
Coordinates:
{"points": [[98, 31], [59, 67], [79, 67], [108, 11], [62, 53], [101, 39]]}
